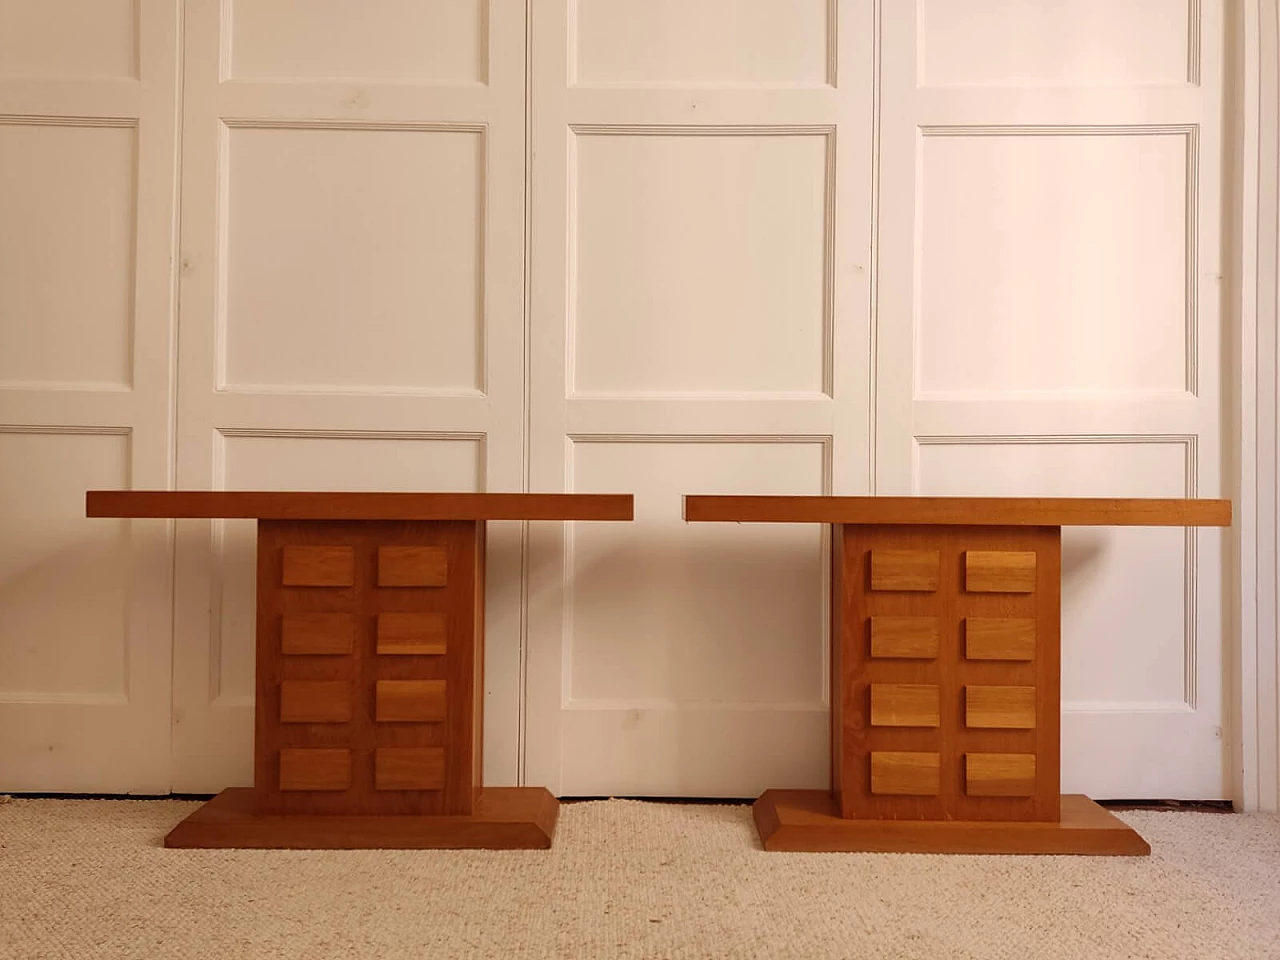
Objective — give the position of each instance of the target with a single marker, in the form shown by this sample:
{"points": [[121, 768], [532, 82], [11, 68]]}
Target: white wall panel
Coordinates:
{"points": [[443, 41], [68, 203], [64, 581], [1052, 262], [354, 259], [699, 262], [692, 41], [1060, 42], [663, 610], [69, 38]]}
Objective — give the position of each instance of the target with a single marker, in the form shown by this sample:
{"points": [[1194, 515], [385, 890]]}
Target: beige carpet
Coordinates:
{"points": [[626, 879]]}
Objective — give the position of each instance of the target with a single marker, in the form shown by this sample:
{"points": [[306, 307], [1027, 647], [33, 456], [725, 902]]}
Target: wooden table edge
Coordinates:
{"points": [[281, 505], [971, 511]]}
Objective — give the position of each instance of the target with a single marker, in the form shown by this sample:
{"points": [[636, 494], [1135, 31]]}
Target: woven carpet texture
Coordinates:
{"points": [[88, 878]]}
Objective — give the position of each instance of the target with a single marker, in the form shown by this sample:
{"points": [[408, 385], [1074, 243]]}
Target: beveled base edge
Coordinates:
{"points": [[505, 818], [806, 821]]}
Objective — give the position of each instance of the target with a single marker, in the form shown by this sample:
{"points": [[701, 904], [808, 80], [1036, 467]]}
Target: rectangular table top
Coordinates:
{"points": [[280, 505], [969, 511]]}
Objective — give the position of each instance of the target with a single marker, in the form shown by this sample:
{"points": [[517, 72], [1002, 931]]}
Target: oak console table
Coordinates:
{"points": [[370, 675], [945, 667]]}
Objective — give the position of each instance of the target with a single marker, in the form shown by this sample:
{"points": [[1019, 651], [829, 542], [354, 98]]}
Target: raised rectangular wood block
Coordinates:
{"points": [[1000, 571], [409, 701], [412, 567], [411, 633], [999, 638], [1000, 708], [906, 774], [408, 768], [908, 570], [1000, 774], [319, 566], [317, 634], [907, 638], [315, 769], [905, 705], [315, 701]]}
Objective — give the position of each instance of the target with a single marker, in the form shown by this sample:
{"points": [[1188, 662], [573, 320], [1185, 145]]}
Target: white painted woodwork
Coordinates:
{"points": [[651, 312], [1086, 43], [1049, 324], [706, 313], [391, 41], [44, 548], [353, 202], [675, 640], [1008, 304], [1253, 132], [75, 39], [87, 214], [700, 308], [69, 200], [376, 238], [685, 42]]}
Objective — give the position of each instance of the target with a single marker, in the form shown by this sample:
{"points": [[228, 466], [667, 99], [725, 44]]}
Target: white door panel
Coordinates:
{"points": [[353, 209], [701, 246], [700, 297], [87, 173], [1049, 291]]}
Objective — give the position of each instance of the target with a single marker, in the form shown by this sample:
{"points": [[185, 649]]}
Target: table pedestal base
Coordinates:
{"points": [[806, 821], [504, 818]]}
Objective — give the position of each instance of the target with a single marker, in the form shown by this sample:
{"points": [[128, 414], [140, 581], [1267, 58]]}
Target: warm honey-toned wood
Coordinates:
{"points": [[315, 769], [1000, 708], [906, 774], [282, 505], [905, 638], [913, 570], [320, 566], [999, 638], [809, 821], [315, 701], [999, 571], [503, 818], [322, 619], [905, 705], [960, 511], [995, 664], [459, 669], [408, 768], [1000, 774], [317, 634], [412, 567], [855, 735], [402, 634], [410, 701]]}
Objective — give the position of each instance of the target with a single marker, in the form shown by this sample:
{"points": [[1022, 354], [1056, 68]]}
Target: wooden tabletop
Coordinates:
{"points": [[278, 505], [999, 511]]}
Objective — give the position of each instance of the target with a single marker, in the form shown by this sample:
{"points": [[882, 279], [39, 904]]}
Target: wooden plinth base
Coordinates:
{"points": [[505, 818], [806, 821]]}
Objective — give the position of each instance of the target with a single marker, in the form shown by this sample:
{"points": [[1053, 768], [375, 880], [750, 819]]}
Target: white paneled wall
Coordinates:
{"points": [[88, 148], [681, 246], [352, 304], [1050, 272]]}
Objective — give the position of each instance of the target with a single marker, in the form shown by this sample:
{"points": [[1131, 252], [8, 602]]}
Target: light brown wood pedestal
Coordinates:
{"points": [[807, 821], [945, 673], [502, 818], [368, 716]]}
